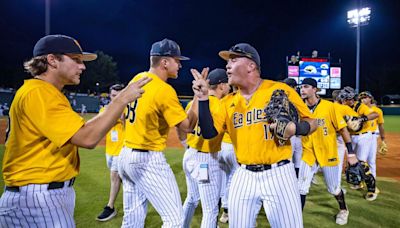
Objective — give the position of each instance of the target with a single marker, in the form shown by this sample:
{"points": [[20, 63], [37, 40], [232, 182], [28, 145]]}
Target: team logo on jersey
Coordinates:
{"points": [[252, 117]]}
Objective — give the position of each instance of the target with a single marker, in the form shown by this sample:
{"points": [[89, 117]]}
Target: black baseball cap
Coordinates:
{"points": [[167, 47], [310, 81], [60, 44], [290, 82], [242, 50], [217, 76]]}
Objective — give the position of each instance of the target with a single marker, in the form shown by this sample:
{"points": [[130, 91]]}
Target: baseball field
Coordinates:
{"points": [[92, 189]]}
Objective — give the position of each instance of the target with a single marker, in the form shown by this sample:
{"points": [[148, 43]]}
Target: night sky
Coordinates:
{"points": [[125, 29]]}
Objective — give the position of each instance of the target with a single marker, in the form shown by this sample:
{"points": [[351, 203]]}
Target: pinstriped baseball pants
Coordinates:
{"points": [[147, 177], [35, 206], [275, 189], [208, 192], [331, 176], [228, 163]]}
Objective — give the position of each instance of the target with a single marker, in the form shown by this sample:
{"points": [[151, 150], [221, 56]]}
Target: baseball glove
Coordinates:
{"points": [[353, 123], [383, 148], [280, 112], [355, 173]]}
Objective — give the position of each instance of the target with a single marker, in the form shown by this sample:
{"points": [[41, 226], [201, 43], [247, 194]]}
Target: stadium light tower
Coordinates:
{"points": [[357, 18]]}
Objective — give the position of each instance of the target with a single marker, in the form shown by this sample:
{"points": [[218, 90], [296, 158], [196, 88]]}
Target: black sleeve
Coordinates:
{"points": [[206, 122]]}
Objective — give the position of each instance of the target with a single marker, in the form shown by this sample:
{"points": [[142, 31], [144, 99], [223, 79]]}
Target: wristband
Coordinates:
{"points": [[302, 128], [349, 148]]}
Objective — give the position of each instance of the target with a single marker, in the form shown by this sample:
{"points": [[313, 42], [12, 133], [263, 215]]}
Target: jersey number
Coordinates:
{"points": [[131, 114], [267, 132]]}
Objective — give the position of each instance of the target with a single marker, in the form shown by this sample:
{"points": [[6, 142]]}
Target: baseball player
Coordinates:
{"points": [[41, 157], [114, 142], [320, 148], [367, 98], [201, 161], [265, 177], [361, 139], [344, 111], [146, 175], [295, 141]]}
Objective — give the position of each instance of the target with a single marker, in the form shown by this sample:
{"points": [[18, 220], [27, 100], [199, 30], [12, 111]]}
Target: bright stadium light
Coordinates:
{"points": [[358, 18]]}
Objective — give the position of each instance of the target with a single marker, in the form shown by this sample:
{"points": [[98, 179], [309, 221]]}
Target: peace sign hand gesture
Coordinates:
{"points": [[200, 83]]}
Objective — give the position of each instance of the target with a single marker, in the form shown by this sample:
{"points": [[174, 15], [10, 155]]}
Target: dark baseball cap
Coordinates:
{"points": [[290, 82], [242, 50], [310, 81], [60, 44], [167, 47], [217, 76]]}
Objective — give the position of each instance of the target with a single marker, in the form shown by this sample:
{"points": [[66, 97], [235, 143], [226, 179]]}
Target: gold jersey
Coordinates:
{"points": [[246, 124], [149, 118], [37, 149], [195, 139], [377, 121], [115, 137], [362, 110], [321, 145]]}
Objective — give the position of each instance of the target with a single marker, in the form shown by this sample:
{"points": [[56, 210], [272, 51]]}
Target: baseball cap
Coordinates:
{"points": [[290, 82], [242, 50], [310, 81], [167, 47], [217, 76], [60, 44]]}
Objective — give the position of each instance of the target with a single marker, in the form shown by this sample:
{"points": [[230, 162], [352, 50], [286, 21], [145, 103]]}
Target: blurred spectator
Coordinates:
{"points": [[83, 109], [314, 54]]}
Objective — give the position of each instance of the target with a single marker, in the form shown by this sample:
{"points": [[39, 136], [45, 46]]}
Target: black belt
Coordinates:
{"points": [[139, 150], [361, 133], [259, 168], [52, 185]]}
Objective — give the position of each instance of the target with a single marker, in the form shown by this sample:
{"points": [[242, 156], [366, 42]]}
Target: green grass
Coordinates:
{"points": [[392, 123], [92, 189]]}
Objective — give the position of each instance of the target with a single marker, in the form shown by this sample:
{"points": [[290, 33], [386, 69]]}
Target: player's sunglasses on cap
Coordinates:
{"points": [[365, 94], [312, 82], [217, 76], [61, 44], [242, 50], [168, 48]]}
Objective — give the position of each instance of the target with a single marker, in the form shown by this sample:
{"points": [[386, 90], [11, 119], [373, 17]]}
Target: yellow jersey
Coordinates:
{"points": [[227, 138], [195, 139], [362, 109], [377, 121], [149, 118], [37, 149], [321, 145], [115, 137], [245, 122]]}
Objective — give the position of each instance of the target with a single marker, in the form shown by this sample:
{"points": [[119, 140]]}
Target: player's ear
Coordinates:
{"points": [[51, 60], [251, 66]]}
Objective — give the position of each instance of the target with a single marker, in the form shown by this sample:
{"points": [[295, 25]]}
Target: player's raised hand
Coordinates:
{"points": [[200, 83], [134, 90]]}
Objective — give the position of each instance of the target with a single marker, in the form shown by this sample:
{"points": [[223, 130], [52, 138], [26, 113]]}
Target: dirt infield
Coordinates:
{"points": [[388, 165]]}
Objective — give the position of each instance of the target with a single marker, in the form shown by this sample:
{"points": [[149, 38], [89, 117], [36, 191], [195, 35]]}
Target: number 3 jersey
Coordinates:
{"points": [[149, 118], [322, 144], [245, 122]]}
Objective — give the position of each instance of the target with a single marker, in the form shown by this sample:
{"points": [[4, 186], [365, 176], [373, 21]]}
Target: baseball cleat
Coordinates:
{"points": [[371, 196], [107, 214], [224, 217], [342, 217]]}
